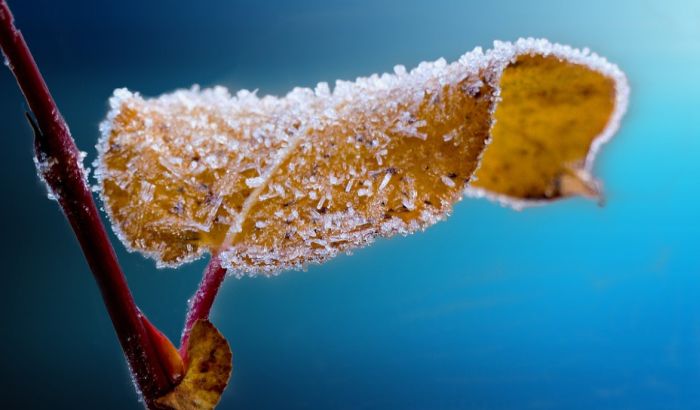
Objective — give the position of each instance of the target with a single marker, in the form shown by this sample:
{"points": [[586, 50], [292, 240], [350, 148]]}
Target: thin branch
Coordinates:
{"points": [[60, 165], [200, 304]]}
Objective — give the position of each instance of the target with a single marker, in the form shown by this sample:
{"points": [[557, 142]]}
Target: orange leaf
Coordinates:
{"points": [[208, 371], [275, 183]]}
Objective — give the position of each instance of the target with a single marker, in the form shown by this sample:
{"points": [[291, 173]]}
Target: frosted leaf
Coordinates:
{"points": [[549, 124], [275, 183]]}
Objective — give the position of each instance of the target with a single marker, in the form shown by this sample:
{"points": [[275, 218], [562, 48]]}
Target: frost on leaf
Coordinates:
{"points": [[208, 371], [275, 183]]}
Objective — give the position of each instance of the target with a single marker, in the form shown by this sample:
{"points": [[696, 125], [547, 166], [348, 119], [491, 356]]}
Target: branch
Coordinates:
{"points": [[200, 304], [60, 165]]}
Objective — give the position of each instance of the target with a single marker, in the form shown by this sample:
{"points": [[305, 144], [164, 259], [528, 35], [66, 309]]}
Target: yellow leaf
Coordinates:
{"points": [[208, 371], [550, 114], [275, 183]]}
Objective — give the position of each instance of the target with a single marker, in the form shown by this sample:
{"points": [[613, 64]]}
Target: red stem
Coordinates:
{"points": [[200, 304], [62, 169]]}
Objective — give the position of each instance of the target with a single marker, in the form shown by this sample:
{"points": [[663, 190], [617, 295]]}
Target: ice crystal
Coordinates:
{"points": [[44, 165]]}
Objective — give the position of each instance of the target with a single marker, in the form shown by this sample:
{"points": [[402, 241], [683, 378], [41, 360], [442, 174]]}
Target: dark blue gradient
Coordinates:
{"points": [[569, 306]]}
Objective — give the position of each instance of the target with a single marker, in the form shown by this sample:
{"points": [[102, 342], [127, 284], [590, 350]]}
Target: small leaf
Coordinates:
{"points": [[171, 361], [275, 183], [208, 371]]}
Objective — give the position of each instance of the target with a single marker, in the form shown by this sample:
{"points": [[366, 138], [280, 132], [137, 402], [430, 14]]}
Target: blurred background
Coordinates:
{"points": [[570, 306]]}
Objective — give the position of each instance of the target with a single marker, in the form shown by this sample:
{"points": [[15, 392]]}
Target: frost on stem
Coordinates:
{"points": [[274, 183], [44, 165]]}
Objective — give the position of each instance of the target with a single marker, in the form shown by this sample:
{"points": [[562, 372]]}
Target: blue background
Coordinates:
{"points": [[569, 306]]}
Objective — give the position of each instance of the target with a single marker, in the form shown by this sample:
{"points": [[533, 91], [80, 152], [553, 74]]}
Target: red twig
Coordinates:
{"points": [[60, 165], [202, 301]]}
